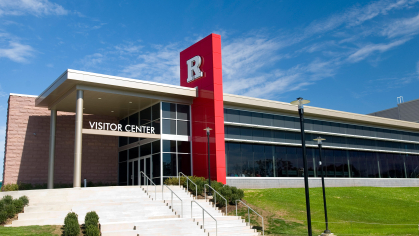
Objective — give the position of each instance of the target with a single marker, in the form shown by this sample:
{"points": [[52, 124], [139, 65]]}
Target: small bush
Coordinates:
{"points": [[3, 217], [71, 225], [9, 187], [7, 199], [24, 186], [10, 210], [91, 218], [18, 205], [2, 205], [24, 200], [92, 230], [71, 216]]}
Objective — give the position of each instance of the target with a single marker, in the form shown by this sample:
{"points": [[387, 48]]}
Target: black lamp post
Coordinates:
{"points": [[300, 102], [209, 160], [319, 142]]}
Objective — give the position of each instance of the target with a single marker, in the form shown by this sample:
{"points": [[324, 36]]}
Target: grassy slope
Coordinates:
{"points": [[356, 204], [47, 230]]}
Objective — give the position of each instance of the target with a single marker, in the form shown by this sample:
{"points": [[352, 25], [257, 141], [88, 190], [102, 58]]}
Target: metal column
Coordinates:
{"points": [[78, 140], [53, 122]]}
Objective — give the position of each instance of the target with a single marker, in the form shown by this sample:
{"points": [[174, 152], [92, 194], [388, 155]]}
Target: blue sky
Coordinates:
{"points": [[354, 56]]}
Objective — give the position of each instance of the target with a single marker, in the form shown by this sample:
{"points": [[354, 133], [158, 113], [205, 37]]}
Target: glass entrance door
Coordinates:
{"points": [[133, 174], [145, 166]]}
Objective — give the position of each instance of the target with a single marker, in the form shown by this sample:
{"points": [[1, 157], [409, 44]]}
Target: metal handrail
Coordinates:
{"points": [[148, 179], [203, 217], [215, 195], [187, 185], [172, 197], [248, 214]]}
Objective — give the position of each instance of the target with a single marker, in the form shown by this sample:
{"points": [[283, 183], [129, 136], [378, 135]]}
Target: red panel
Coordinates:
{"points": [[207, 109]]}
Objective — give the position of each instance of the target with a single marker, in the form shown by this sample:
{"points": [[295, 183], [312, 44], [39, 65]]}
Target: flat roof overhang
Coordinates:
{"points": [[327, 114], [109, 95]]}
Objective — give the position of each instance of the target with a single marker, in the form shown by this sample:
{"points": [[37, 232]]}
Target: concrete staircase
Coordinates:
{"points": [[130, 210]]}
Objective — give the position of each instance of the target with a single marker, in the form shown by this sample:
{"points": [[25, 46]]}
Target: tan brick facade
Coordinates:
{"points": [[27, 146]]}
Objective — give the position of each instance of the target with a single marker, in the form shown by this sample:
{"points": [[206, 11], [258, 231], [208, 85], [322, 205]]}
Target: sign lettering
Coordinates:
{"points": [[119, 127], [194, 72]]}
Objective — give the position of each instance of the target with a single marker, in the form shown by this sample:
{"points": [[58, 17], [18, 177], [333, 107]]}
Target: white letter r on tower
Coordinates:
{"points": [[194, 72]]}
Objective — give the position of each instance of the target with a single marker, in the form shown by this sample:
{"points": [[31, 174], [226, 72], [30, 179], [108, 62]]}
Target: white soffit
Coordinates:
{"points": [[68, 81]]}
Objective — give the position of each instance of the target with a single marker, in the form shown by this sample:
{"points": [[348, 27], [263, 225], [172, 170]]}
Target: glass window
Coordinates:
{"points": [[267, 119], [134, 153], [258, 134], [278, 121], [329, 163], [184, 161], [155, 112], [169, 126], [169, 164], [257, 118], [156, 125], [246, 133], [280, 161], [183, 127], [289, 122], [234, 160], [183, 147], [245, 117], [169, 146], [122, 173], [231, 115], [169, 110], [145, 116], [247, 160], [145, 149], [155, 146], [156, 168], [327, 127], [183, 112]]}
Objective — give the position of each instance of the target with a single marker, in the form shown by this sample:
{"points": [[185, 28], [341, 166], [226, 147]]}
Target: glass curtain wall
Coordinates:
{"points": [[149, 116], [176, 158], [259, 160], [273, 120]]}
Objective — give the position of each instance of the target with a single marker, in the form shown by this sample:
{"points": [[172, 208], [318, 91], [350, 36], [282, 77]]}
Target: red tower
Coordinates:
{"points": [[200, 66]]}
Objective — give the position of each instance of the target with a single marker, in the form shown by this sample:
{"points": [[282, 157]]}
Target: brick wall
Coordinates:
{"points": [[27, 146]]}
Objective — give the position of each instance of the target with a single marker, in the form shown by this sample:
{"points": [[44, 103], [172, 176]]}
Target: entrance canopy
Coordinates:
{"points": [[88, 93], [109, 95]]}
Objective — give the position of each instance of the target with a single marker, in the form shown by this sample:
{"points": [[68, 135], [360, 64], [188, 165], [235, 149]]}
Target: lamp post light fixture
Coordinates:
{"points": [[301, 102], [319, 142], [208, 129]]}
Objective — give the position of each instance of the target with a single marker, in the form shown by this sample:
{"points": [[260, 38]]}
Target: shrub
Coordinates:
{"points": [[10, 210], [2, 205], [91, 218], [24, 186], [92, 230], [3, 217], [71, 225], [7, 199], [18, 205], [9, 187], [24, 200]]}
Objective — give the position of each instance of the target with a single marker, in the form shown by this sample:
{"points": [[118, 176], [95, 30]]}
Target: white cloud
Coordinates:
{"points": [[406, 26], [365, 51], [33, 7], [357, 15], [17, 52], [93, 60], [161, 64]]}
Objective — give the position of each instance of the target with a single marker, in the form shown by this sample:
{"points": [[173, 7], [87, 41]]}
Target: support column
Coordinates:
{"points": [[53, 122], [78, 140]]}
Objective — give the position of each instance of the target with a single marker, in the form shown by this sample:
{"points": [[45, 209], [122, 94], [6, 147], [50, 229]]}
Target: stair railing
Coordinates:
{"points": [[215, 195], [149, 180], [203, 217], [173, 193], [187, 183], [248, 214]]}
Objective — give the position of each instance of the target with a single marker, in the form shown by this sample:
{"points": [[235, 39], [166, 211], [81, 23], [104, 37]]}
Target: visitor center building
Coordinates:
{"points": [[117, 130]]}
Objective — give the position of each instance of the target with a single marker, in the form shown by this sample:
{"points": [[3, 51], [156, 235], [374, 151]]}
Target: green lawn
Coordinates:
{"points": [[47, 230], [351, 210]]}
